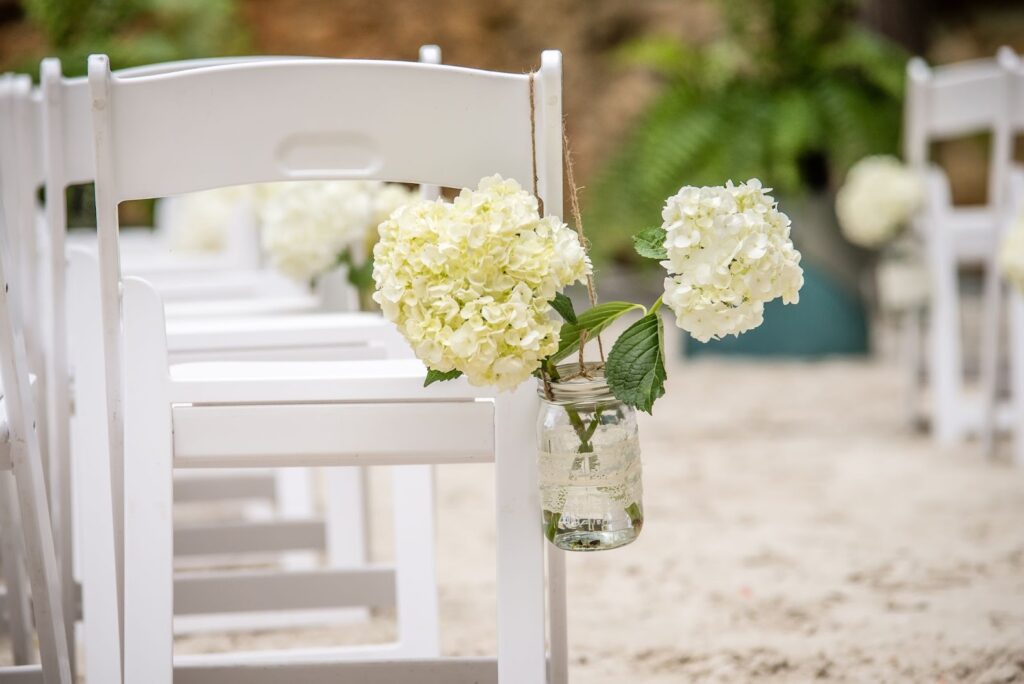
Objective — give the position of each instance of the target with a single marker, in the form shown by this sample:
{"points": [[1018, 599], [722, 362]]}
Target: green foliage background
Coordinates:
{"points": [[135, 32], [793, 93]]}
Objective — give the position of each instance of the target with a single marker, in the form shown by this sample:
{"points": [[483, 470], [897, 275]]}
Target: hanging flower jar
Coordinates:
{"points": [[472, 285], [589, 462]]}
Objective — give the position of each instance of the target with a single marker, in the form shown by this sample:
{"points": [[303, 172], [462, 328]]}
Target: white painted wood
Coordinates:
{"points": [[521, 620], [19, 612], [27, 460], [1016, 311], [416, 566], [241, 538], [332, 434], [58, 377], [256, 591], [558, 617], [343, 139], [99, 527], [148, 528], [348, 524], [327, 671], [478, 124], [943, 102], [997, 304], [22, 674], [243, 486]]}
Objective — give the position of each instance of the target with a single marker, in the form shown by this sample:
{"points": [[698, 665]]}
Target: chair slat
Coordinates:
{"points": [[333, 434], [350, 135], [252, 591]]}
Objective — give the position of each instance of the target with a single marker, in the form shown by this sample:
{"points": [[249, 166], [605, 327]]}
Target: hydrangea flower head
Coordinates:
{"points": [[198, 221], [877, 200], [729, 253], [468, 282], [306, 225]]}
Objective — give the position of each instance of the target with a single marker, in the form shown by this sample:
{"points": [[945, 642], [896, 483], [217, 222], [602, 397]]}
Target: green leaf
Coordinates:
{"points": [[636, 364], [440, 376], [593, 321], [563, 305], [361, 276], [650, 243]]}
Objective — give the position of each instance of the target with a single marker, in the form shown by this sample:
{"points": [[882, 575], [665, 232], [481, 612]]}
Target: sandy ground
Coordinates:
{"points": [[795, 531]]}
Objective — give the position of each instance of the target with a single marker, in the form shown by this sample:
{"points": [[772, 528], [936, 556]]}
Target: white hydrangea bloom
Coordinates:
{"points": [[1011, 254], [389, 198], [468, 282], [198, 221], [878, 198], [729, 253], [306, 225]]}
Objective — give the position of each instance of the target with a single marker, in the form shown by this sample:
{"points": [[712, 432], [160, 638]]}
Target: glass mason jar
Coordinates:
{"points": [[589, 463]]}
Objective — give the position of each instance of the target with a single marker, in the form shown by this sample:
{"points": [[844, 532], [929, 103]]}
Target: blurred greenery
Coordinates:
{"points": [[134, 32], [793, 93]]}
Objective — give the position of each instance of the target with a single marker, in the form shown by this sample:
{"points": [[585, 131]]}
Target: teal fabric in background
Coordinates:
{"points": [[828, 320]]}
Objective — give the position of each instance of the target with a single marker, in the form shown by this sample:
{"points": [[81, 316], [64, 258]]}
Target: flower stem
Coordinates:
{"points": [[586, 434]]}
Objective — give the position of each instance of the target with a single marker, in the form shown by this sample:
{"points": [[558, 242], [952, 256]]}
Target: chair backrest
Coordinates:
{"points": [[1014, 68], [309, 119], [953, 101]]}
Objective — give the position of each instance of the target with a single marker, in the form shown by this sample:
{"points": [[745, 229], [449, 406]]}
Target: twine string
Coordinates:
{"points": [[540, 203]]}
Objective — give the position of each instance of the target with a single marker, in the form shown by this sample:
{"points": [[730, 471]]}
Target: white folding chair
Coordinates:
{"points": [[298, 337], [948, 102], [22, 482], [1001, 299], [316, 119]]}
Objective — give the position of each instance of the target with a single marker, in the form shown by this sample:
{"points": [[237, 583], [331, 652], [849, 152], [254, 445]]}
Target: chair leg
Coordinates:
{"points": [[97, 522], [149, 496], [294, 497], [910, 343], [521, 648], [347, 521], [1017, 373], [41, 562], [11, 552], [558, 617], [989, 358], [945, 364], [415, 563]]}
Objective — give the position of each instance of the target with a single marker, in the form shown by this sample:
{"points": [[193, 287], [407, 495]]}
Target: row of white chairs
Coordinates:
{"points": [[295, 337], [138, 415], [947, 102]]}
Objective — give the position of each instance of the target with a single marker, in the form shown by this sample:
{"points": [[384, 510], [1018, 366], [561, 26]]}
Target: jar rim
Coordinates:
{"points": [[574, 386]]}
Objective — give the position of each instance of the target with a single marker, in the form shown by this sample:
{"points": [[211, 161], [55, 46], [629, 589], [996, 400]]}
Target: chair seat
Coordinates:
{"points": [[313, 329], [241, 382], [252, 306]]}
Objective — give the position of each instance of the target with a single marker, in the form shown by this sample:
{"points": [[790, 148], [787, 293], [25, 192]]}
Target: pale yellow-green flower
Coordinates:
{"points": [[877, 200], [198, 221], [306, 225], [468, 282], [729, 253], [1011, 254]]}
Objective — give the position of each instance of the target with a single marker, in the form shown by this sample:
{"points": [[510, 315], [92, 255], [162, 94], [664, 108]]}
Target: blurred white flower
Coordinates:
{"points": [[306, 225], [729, 253], [1011, 254], [877, 200], [389, 198], [468, 282], [902, 276], [198, 221]]}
